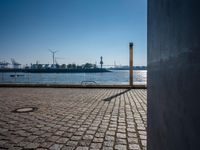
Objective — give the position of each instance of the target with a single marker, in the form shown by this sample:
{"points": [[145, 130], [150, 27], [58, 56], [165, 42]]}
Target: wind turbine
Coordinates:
{"points": [[53, 54]]}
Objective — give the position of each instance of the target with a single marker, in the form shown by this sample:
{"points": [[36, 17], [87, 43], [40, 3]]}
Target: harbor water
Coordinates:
{"points": [[115, 77]]}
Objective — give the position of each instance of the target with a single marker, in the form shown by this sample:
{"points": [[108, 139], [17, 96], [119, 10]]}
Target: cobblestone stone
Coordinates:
{"points": [[120, 147], [73, 119]]}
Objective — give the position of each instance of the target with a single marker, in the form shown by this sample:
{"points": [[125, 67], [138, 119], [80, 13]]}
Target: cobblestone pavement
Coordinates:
{"points": [[69, 119]]}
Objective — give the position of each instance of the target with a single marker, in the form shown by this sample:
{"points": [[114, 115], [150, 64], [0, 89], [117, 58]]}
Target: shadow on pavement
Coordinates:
{"points": [[118, 94]]}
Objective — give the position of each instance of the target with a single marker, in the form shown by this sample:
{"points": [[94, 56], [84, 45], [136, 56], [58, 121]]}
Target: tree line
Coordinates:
{"points": [[63, 66]]}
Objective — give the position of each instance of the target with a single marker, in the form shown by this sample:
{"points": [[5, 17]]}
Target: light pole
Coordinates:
{"points": [[131, 64]]}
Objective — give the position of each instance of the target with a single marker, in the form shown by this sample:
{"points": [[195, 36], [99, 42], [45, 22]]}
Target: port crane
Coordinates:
{"points": [[4, 64], [15, 64], [56, 59]]}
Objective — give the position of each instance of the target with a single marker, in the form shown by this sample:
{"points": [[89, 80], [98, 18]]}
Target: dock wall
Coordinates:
{"points": [[173, 75]]}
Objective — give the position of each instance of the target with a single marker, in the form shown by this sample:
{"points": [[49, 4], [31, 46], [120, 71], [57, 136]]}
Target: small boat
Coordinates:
{"points": [[12, 75], [16, 75]]}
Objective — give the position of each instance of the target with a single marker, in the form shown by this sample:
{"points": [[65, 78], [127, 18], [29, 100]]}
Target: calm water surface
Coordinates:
{"points": [[114, 77]]}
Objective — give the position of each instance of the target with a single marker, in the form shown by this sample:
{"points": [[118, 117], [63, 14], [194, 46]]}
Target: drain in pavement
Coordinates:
{"points": [[25, 109]]}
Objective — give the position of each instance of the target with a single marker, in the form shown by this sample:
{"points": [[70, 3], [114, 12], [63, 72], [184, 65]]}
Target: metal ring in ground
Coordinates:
{"points": [[25, 109]]}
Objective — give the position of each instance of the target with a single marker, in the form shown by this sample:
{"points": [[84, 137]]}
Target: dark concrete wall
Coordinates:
{"points": [[173, 74]]}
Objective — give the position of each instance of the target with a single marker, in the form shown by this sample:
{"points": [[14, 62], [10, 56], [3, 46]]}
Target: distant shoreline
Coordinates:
{"points": [[126, 69], [52, 70]]}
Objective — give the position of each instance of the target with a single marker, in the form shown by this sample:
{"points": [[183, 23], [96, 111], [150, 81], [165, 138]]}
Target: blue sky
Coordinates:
{"points": [[81, 30]]}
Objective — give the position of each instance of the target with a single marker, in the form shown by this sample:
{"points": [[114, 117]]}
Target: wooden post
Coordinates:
{"points": [[131, 64]]}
